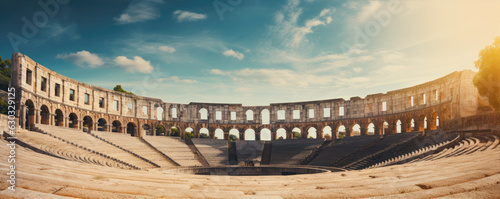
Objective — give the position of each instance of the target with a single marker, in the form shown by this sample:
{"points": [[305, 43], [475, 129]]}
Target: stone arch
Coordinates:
{"points": [[204, 131], [249, 115], [174, 131], [385, 128], [399, 126], [296, 129], [356, 130], [265, 117], [281, 134], [327, 132], [132, 129], [219, 134], [159, 113], [116, 126], [102, 125], [249, 134], [160, 130], [371, 129], [203, 114], [341, 132], [58, 118], [73, 121], [44, 115], [312, 133], [265, 134], [29, 119], [235, 132], [147, 129], [88, 123]]}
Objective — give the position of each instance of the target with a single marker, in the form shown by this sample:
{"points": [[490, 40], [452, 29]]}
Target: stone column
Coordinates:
{"points": [[242, 136], [364, 130], [273, 135], [348, 132], [37, 116], [257, 136]]}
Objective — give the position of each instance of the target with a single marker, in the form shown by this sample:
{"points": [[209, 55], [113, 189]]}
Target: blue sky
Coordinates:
{"points": [[253, 52]]}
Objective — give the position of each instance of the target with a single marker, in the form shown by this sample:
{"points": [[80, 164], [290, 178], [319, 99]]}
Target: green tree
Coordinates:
{"points": [[160, 130], [188, 135], [233, 138], [3, 106], [328, 137], [296, 135], [174, 132], [203, 135], [341, 135], [120, 89], [8, 62], [487, 79]]}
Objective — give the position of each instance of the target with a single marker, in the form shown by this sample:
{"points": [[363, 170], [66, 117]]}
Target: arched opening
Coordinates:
{"points": [[398, 126], [159, 113], [234, 133], [327, 132], [204, 133], [116, 126], [341, 130], [73, 121], [249, 134], [59, 118], [203, 114], [147, 129], [425, 122], [437, 121], [281, 134], [356, 130], [132, 129], [412, 125], [385, 127], [311, 133], [249, 115], [30, 114], [160, 130], [44, 115], [189, 130], [265, 134], [219, 134], [265, 116], [87, 123], [101, 125], [371, 129], [174, 131], [296, 133]]}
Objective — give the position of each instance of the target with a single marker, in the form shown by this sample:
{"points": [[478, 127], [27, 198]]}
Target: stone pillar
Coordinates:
{"points": [[52, 119], [273, 135], [319, 134], [257, 136], [211, 135], [364, 131], [37, 114], [226, 135], [242, 136], [348, 132]]}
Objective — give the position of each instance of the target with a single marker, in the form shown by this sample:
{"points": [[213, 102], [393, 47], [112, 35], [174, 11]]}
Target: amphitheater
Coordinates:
{"points": [[75, 140]]}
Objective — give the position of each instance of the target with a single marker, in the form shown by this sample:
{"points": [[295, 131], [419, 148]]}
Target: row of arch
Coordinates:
{"points": [[244, 132]]}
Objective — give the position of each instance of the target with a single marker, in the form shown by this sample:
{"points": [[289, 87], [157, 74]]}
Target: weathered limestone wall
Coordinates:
{"points": [[455, 89]]}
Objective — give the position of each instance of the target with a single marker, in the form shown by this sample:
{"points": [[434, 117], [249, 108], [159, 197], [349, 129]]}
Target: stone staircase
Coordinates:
{"points": [[174, 148]]}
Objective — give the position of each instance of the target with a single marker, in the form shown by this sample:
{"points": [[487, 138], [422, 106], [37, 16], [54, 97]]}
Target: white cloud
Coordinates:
{"points": [[290, 31], [83, 58], [368, 10], [178, 80], [283, 78], [235, 54], [166, 49], [139, 11], [138, 64], [188, 16]]}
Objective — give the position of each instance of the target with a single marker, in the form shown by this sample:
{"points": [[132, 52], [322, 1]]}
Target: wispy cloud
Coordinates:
{"points": [[179, 80], [182, 15], [167, 49], [138, 64], [287, 25], [235, 54], [83, 58], [139, 11]]}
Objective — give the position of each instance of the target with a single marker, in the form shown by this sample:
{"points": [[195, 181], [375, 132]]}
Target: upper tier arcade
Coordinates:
{"points": [[50, 98]]}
